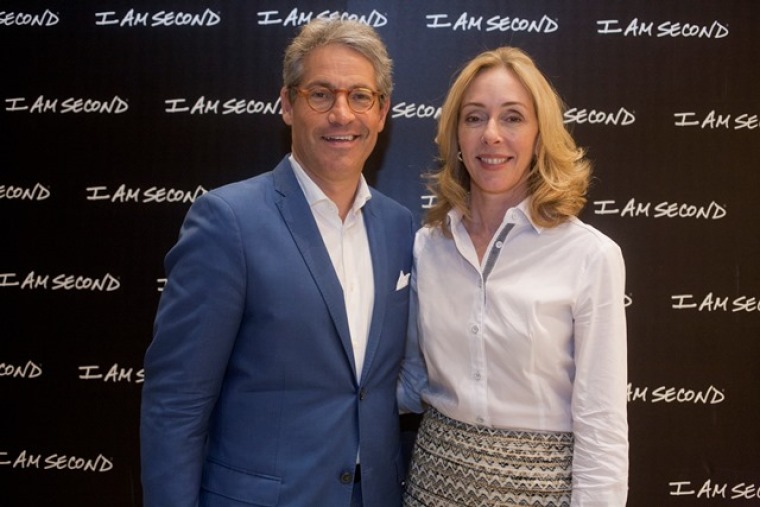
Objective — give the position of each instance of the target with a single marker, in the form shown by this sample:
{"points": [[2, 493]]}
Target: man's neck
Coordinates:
{"points": [[342, 192]]}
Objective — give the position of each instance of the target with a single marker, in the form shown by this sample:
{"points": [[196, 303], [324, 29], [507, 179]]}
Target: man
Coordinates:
{"points": [[278, 340]]}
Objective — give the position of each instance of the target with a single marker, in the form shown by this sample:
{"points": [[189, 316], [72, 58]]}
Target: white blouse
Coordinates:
{"points": [[532, 339]]}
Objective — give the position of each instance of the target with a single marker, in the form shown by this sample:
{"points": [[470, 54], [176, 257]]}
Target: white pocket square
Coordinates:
{"points": [[403, 280]]}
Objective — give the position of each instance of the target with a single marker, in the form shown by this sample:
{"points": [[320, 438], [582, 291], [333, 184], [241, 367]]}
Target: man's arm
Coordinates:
{"points": [[195, 329], [413, 377]]}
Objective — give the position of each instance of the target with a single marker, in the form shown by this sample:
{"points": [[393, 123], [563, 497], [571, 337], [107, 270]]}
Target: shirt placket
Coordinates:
{"points": [[478, 364], [350, 281], [477, 374]]}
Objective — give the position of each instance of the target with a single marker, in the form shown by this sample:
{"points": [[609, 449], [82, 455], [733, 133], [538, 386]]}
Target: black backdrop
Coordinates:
{"points": [[116, 115]]}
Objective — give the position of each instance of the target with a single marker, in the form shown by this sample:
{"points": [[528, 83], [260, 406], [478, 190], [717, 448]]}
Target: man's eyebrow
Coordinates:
{"points": [[327, 84]]}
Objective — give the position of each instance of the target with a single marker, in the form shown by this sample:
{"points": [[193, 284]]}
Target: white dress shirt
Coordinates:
{"points": [[534, 338], [349, 251]]}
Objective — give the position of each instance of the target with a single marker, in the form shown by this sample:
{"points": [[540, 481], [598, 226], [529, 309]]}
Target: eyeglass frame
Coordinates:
{"points": [[305, 92]]}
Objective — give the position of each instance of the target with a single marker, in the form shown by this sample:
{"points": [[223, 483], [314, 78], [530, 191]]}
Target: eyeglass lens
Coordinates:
{"points": [[322, 99]]}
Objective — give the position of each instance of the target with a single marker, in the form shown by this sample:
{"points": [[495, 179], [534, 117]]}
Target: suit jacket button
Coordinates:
{"points": [[362, 394], [346, 478]]}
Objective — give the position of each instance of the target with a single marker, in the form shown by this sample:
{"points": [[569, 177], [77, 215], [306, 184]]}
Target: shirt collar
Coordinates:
{"points": [[314, 195], [517, 215], [524, 209]]}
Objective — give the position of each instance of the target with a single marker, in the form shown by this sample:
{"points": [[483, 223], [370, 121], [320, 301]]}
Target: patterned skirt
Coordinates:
{"points": [[458, 464]]}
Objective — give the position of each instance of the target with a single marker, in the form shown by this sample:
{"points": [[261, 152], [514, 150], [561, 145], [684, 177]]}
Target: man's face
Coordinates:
{"points": [[333, 146]]}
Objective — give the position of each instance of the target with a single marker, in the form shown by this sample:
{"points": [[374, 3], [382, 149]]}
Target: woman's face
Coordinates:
{"points": [[497, 134]]}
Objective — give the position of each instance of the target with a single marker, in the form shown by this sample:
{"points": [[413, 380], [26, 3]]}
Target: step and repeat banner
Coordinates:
{"points": [[117, 115]]}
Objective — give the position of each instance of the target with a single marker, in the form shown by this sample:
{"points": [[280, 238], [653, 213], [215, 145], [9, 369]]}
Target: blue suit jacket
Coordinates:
{"points": [[250, 394]]}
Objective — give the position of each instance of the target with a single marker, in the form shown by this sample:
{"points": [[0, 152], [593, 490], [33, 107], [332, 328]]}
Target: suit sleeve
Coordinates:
{"points": [[196, 324], [413, 377]]}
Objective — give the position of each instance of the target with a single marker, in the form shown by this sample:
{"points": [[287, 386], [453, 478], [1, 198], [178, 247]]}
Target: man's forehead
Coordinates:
{"points": [[338, 58]]}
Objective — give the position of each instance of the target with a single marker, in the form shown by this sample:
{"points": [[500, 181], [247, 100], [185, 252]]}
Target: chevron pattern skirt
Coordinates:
{"points": [[458, 464]]}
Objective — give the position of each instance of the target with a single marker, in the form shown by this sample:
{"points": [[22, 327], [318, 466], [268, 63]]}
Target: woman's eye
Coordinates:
{"points": [[472, 119]]}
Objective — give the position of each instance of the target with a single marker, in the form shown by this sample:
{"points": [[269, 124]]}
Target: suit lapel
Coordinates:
{"points": [[376, 236], [299, 219]]}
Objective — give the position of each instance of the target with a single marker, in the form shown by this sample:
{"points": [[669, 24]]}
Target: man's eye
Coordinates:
{"points": [[361, 96], [319, 94]]}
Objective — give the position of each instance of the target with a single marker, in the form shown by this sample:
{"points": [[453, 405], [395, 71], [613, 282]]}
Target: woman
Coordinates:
{"points": [[521, 318]]}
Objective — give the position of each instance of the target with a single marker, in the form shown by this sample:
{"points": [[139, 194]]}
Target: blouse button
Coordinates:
{"points": [[474, 329]]}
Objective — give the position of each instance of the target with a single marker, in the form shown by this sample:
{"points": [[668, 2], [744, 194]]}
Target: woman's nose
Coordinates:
{"points": [[491, 134]]}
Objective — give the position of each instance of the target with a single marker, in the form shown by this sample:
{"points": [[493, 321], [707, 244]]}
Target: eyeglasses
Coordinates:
{"points": [[321, 98]]}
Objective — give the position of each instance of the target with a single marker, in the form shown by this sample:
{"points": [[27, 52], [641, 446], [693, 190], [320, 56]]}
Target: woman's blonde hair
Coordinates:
{"points": [[559, 176]]}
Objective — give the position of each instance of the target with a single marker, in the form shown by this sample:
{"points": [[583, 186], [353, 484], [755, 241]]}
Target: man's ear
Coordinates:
{"points": [[384, 112], [287, 107]]}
